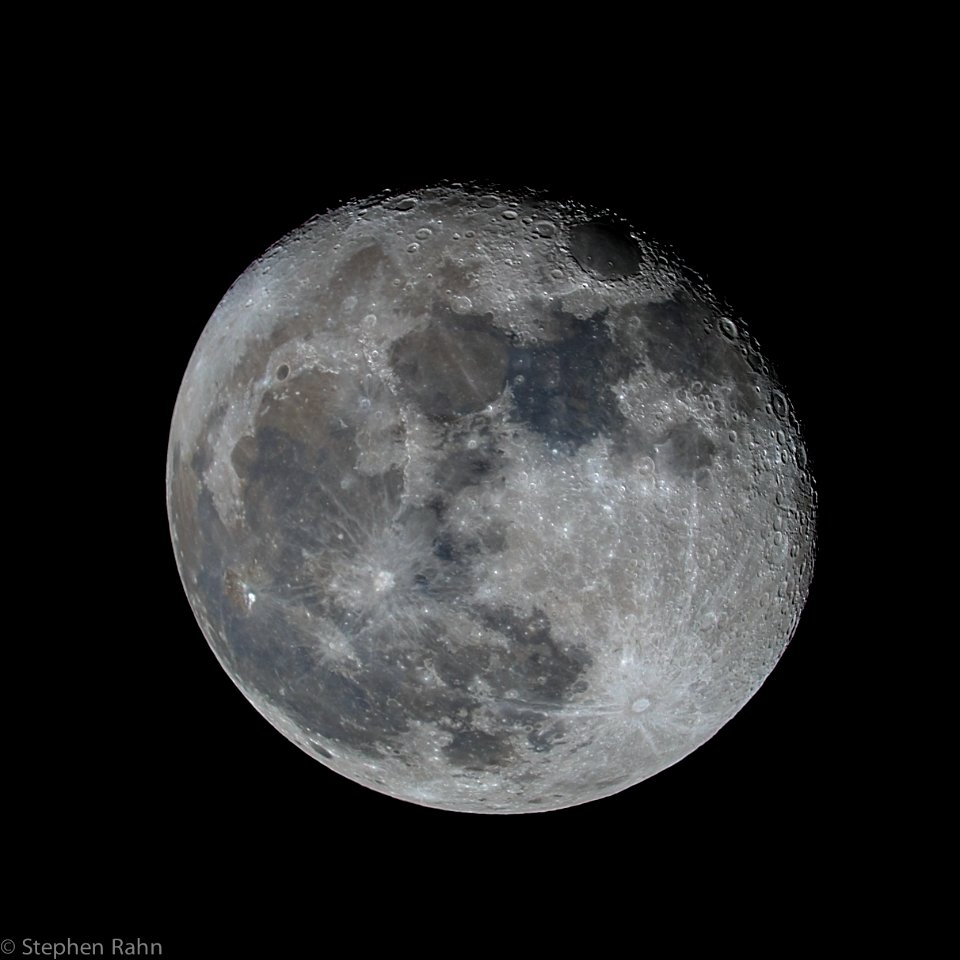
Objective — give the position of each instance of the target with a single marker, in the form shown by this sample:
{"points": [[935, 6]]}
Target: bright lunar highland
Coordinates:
{"points": [[486, 501]]}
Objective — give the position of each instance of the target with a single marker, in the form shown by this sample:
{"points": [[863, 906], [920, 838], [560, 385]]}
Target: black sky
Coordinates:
{"points": [[162, 759]]}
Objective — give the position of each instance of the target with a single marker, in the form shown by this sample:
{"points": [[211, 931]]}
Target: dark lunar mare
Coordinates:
{"points": [[561, 389], [456, 365], [291, 471]]}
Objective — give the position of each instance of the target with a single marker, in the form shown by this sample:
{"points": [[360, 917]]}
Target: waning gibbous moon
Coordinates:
{"points": [[485, 501]]}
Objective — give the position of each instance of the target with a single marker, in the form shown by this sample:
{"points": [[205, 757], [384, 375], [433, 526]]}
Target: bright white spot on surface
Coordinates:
{"points": [[383, 581]]}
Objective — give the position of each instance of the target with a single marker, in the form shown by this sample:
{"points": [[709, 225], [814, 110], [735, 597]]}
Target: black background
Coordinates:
{"points": [[148, 761]]}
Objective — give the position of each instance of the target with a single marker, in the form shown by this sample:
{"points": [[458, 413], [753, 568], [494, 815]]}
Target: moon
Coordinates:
{"points": [[486, 501]]}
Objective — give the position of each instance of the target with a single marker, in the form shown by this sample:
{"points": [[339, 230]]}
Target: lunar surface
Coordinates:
{"points": [[485, 501]]}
